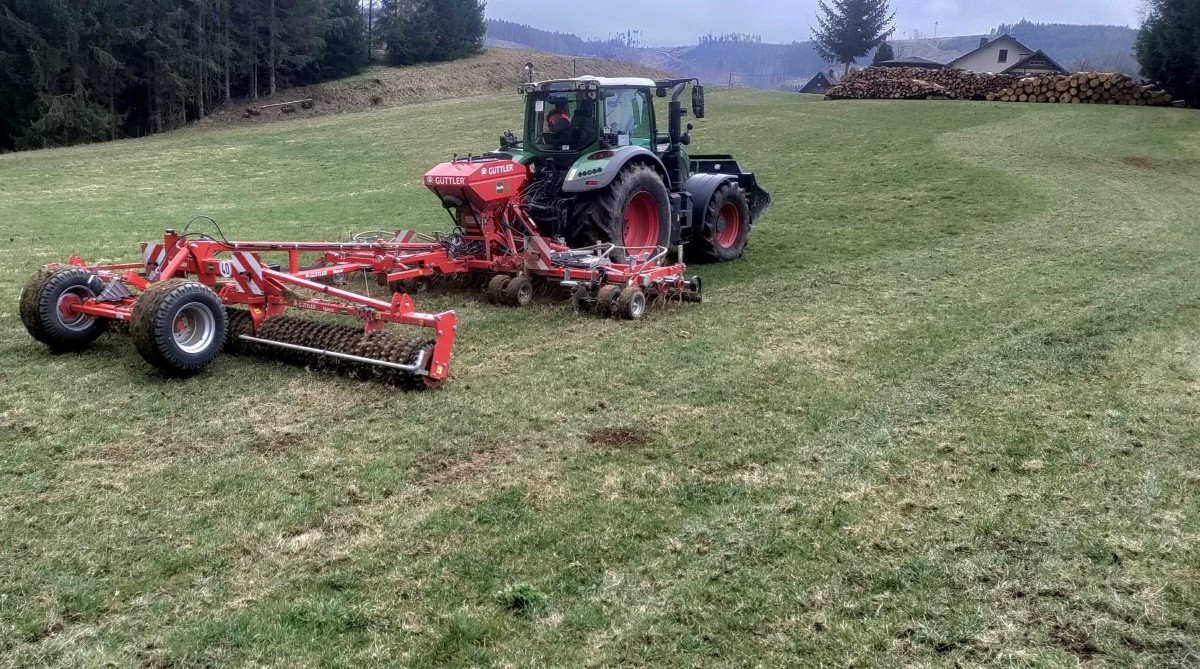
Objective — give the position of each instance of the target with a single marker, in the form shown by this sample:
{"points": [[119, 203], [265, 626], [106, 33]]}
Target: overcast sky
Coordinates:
{"points": [[671, 22]]}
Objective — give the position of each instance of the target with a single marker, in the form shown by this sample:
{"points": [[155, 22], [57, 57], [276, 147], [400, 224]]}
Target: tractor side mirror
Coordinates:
{"points": [[698, 101]]}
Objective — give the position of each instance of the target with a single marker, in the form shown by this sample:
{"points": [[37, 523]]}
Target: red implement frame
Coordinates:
{"points": [[237, 273]]}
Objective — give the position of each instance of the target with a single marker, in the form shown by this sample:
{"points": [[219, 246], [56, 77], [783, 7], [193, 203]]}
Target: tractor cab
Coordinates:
{"points": [[578, 115]]}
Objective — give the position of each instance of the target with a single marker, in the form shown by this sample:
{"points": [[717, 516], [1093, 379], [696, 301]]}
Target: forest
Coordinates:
{"points": [[74, 71]]}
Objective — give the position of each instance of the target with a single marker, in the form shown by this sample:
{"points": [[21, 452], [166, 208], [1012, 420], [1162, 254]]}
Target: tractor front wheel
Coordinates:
{"points": [[46, 311], [726, 227], [178, 326], [634, 212]]}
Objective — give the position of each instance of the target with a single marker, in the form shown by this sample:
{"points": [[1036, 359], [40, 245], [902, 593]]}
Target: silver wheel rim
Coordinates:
{"points": [[194, 328], [637, 305], [525, 293], [79, 322]]}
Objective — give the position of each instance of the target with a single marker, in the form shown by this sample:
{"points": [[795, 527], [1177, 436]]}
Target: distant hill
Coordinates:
{"points": [[495, 70], [747, 61]]}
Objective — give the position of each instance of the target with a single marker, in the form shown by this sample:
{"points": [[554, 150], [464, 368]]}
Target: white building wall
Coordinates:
{"points": [[988, 59]]}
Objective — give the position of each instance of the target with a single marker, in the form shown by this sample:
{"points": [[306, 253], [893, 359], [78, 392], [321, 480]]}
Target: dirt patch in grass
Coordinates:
{"points": [[468, 467], [278, 444], [1159, 164], [619, 436]]}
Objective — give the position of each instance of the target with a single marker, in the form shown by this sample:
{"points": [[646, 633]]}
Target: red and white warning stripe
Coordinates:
{"points": [[247, 273], [153, 256]]}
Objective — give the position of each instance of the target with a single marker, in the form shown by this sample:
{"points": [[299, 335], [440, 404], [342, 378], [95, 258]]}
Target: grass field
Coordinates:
{"points": [[945, 412]]}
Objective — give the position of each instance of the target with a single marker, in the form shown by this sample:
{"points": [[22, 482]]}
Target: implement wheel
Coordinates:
{"points": [[46, 303], [495, 288], [631, 304], [178, 326], [606, 300], [518, 292]]}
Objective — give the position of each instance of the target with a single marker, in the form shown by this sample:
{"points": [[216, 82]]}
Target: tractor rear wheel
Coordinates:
{"points": [[726, 227], [634, 211], [178, 326], [46, 308]]}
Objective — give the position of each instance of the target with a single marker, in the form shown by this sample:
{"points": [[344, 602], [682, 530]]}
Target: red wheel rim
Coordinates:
{"points": [[729, 225], [641, 221]]}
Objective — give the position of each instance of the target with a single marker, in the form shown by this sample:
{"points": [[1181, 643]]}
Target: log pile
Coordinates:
{"points": [[953, 84], [1083, 87], [917, 83], [885, 88]]}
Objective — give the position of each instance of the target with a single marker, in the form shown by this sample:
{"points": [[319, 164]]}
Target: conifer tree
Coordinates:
{"points": [[849, 29]]}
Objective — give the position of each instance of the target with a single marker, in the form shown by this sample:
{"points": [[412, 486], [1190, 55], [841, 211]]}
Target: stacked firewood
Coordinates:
{"points": [[1083, 87], [888, 81], [916, 83], [886, 88]]}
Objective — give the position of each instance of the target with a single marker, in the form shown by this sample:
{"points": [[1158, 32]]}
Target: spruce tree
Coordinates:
{"points": [[345, 40], [1168, 47], [850, 29]]}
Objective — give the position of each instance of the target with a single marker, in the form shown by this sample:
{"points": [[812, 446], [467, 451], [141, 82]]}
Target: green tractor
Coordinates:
{"points": [[602, 172]]}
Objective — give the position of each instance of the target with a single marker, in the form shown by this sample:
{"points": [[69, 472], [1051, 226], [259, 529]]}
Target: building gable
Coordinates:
{"points": [[997, 55], [1038, 61]]}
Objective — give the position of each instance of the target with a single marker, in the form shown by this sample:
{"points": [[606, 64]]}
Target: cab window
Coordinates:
{"points": [[562, 121], [628, 116]]}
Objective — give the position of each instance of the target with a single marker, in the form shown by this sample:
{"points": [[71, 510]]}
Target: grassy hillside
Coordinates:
{"points": [[493, 71], [943, 413]]}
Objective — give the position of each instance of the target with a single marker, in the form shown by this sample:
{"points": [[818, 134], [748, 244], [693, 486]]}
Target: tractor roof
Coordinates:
{"points": [[589, 82]]}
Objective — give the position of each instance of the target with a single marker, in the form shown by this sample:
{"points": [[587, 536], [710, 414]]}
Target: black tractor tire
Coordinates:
{"points": [[518, 292], [178, 326], [601, 217], [42, 314], [716, 241]]}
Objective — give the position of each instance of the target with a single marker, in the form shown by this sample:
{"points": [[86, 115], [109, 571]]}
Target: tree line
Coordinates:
{"points": [[615, 46], [74, 71]]}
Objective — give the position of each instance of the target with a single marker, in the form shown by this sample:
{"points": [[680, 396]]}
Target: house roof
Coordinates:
{"points": [[1039, 54], [1005, 36], [817, 79], [912, 61]]}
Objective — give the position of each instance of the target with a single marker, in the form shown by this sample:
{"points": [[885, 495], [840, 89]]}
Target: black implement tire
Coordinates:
{"points": [[726, 227], [518, 292], [606, 300], [178, 326], [42, 300], [631, 304], [638, 196], [496, 287]]}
